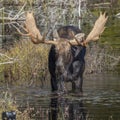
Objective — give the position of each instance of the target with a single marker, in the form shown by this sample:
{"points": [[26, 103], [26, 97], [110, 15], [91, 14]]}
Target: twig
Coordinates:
{"points": [[10, 62], [1, 54], [55, 23], [19, 13], [18, 30], [2, 9], [12, 19], [117, 59]]}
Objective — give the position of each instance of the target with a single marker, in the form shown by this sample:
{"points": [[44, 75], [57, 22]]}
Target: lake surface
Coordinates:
{"points": [[100, 100]]}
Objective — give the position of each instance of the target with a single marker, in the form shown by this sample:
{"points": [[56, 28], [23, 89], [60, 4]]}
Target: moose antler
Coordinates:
{"points": [[32, 30], [97, 30], [36, 37]]}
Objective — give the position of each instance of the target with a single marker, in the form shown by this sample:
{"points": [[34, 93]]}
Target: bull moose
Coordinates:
{"points": [[66, 56], [66, 62]]}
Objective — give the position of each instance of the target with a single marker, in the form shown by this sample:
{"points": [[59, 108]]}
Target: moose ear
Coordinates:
{"points": [[80, 36]]}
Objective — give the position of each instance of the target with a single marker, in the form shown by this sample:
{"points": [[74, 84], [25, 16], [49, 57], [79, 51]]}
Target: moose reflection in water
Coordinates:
{"points": [[67, 109], [66, 57]]}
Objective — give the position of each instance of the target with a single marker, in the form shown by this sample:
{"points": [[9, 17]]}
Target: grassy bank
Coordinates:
{"points": [[26, 63], [7, 104]]}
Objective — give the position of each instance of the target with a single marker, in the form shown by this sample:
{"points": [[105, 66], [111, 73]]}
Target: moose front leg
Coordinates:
{"points": [[76, 76], [61, 85], [77, 86]]}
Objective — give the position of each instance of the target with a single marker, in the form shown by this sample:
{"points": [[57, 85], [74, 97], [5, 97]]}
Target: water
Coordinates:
{"points": [[100, 100]]}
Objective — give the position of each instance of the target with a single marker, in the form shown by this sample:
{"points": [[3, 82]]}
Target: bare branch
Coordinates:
{"points": [[18, 30], [1, 54], [9, 61], [19, 13]]}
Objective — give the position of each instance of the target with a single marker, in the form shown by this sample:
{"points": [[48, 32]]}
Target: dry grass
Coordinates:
{"points": [[29, 63], [7, 104]]}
